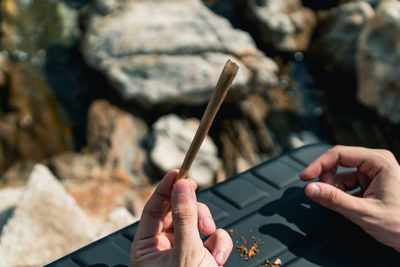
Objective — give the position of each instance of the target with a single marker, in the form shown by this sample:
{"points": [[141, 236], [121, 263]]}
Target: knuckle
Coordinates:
{"points": [[387, 154], [183, 215], [334, 151], [331, 199], [336, 147]]}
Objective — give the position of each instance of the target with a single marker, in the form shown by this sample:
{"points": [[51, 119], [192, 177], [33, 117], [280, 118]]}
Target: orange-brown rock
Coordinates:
{"points": [[34, 128], [114, 137]]}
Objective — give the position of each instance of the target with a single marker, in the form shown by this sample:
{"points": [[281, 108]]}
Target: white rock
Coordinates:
{"points": [[46, 224], [173, 136], [378, 58], [8, 199], [169, 51], [338, 32], [119, 218], [284, 25]]}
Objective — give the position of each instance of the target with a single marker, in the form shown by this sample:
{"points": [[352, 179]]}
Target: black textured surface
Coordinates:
{"points": [[267, 204]]}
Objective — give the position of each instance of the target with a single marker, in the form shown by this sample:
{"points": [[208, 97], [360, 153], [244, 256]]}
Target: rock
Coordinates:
{"points": [[136, 198], [284, 25], [28, 132], [172, 137], [74, 167], [337, 35], [3, 80], [17, 175], [170, 51], [256, 110], [242, 147], [99, 196], [8, 199], [114, 138], [110, 168], [118, 219], [296, 140], [378, 57], [373, 3], [45, 23], [46, 224]]}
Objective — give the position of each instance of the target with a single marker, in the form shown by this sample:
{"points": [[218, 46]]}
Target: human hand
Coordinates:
{"points": [[376, 208], [168, 232]]}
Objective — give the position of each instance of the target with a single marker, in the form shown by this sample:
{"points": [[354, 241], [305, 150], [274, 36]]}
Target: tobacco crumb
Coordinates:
{"points": [[276, 263], [245, 251], [242, 250], [253, 250], [230, 231]]}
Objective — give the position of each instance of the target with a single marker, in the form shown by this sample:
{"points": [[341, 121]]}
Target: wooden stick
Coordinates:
{"points": [[218, 95]]}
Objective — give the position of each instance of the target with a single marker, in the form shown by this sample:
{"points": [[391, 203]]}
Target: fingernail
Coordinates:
{"points": [[314, 190], [219, 257], [208, 222]]}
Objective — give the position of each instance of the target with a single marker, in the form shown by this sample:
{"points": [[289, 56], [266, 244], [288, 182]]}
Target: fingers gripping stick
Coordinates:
{"points": [[218, 95]]}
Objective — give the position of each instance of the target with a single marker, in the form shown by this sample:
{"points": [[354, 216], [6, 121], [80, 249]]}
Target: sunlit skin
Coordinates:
{"points": [[168, 232], [376, 207]]}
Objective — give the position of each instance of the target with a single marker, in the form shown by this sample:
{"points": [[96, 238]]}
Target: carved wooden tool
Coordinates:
{"points": [[218, 95]]}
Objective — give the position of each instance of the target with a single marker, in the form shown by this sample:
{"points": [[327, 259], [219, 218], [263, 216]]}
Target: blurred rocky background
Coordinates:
{"points": [[98, 99]]}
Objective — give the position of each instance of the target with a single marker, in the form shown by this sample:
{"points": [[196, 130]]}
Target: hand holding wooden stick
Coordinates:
{"points": [[218, 95]]}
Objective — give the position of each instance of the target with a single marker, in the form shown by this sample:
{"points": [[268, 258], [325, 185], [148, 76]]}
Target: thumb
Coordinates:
{"points": [[184, 215], [335, 199]]}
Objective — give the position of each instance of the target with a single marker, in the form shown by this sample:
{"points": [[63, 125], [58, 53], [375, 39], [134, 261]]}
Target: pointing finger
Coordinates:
{"points": [[157, 206]]}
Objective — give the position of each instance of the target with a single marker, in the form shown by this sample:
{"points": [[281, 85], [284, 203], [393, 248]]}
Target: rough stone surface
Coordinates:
{"points": [[75, 167], [159, 52], [337, 35], [99, 196], [378, 58], [45, 23], [28, 132], [373, 3], [284, 25], [172, 138], [8, 199], [46, 224], [17, 175], [28, 28], [114, 138], [118, 219]]}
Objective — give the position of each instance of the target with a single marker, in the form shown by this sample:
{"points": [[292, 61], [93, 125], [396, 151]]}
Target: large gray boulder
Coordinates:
{"points": [[170, 52], [284, 25], [337, 35], [378, 60], [46, 223], [172, 138]]}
